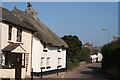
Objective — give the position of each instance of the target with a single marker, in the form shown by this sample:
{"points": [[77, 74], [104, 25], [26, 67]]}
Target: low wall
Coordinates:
{"points": [[10, 73], [7, 73]]}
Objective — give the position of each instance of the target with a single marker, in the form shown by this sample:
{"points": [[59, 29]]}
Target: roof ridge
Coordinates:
{"points": [[4, 8], [21, 12]]}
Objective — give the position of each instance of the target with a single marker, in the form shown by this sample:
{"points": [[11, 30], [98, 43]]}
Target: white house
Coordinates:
{"points": [[15, 46], [39, 46], [100, 57], [96, 57]]}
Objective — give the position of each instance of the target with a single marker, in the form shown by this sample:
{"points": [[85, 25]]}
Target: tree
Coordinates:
{"points": [[73, 50], [74, 46], [85, 55]]}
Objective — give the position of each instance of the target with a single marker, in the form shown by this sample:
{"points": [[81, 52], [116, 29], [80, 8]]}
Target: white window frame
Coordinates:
{"points": [[48, 61], [59, 61], [42, 61]]}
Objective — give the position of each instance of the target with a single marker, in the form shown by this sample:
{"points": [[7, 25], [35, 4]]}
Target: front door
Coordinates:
{"points": [[18, 65]]}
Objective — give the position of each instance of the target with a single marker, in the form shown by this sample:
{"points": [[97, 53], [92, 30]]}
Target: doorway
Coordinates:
{"points": [[18, 65]]}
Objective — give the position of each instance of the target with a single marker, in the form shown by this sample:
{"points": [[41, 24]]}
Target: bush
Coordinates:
{"points": [[70, 64]]}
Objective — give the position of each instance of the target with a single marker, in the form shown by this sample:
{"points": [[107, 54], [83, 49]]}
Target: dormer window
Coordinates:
{"points": [[10, 33], [45, 48], [59, 49], [19, 35]]}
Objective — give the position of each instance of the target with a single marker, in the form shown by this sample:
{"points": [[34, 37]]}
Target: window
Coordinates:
{"points": [[19, 35], [45, 49], [10, 33], [59, 61], [48, 61], [10, 60], [3, 59], [44, 46], [23, 60], [59, 49], [42, 61]]}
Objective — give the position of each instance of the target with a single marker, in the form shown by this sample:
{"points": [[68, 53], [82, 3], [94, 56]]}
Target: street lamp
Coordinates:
{"points": [[108, 31]]}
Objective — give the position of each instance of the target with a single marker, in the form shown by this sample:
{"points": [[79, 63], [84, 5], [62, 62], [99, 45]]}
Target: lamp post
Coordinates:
{"points": [[108, 31]]}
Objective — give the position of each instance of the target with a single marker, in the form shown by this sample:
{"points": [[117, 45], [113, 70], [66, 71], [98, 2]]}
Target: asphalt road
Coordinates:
{"points": [[88, 71]]}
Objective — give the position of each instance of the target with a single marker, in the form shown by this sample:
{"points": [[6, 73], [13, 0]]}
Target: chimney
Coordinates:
{"points": [[31, 11]]}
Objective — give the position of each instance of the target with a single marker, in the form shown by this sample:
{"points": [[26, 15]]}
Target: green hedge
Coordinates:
{"points": [[111, 58]]}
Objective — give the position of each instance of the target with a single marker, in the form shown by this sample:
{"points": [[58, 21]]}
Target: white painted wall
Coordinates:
{"points": [[0, 47], [38, 53], [4, 35], [26, 40], [0, 36], [100, 57]]}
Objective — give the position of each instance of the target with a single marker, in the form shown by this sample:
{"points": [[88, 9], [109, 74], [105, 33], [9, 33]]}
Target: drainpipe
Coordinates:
{"points": [[31, 50]]}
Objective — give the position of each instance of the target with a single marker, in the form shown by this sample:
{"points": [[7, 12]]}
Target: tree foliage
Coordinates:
{"points": [[73, 50], [74, 46], [85, 55]]}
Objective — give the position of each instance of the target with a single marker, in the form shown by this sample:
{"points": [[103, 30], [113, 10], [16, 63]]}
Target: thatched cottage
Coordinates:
{"points": [[26, 44]]}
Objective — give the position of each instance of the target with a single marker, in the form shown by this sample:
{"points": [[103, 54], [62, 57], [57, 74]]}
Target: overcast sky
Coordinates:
{"points": [[84, 19]]}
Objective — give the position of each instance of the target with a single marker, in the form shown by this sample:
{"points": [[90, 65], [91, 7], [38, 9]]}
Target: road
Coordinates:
{"points": [[89, 71]]}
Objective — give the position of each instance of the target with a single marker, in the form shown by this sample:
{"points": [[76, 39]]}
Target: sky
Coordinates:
{"points": [[83, 19], [60, 0]]}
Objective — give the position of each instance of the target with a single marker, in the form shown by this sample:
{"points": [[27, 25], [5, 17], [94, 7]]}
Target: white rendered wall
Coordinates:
{"points": [[26, 41], [0, 47], [38, 53], [4, 35], [0, 36]]}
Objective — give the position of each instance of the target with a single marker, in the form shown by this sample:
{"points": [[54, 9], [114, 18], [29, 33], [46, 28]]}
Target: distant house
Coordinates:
{"points": [[100, 57], [96, 57], [115, 38], [36, 46], [91, 47], [87, 45], [93, 57], [95, 54]]}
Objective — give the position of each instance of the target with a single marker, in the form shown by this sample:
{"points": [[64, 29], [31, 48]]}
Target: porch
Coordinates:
{"points": [[13, 62]]}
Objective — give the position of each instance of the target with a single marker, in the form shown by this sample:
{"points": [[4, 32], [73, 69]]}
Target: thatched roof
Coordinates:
{"points": [[9, 18], [43, 33]]}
